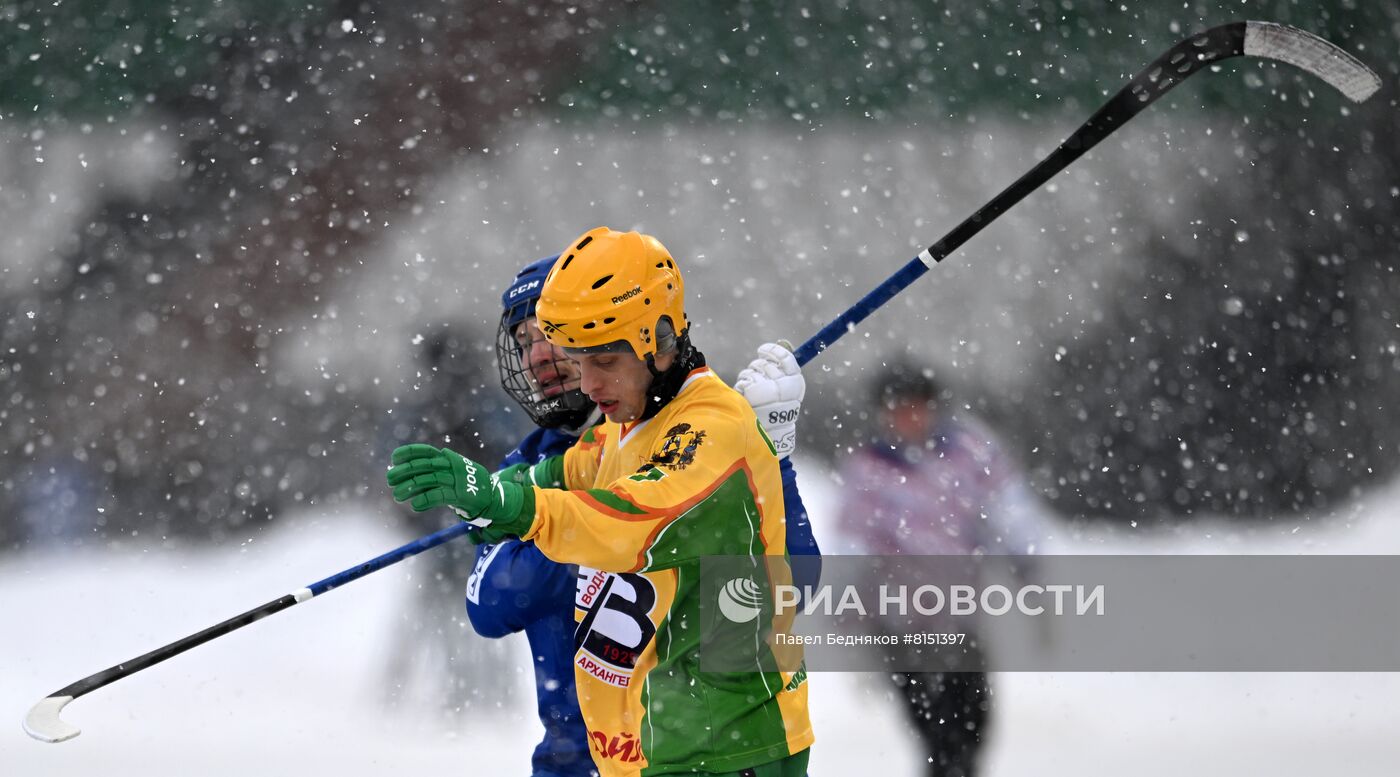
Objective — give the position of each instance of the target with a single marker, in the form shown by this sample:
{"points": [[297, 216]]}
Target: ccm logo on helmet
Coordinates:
{"points": [[626, 295], [783, 416], [521, 289]]}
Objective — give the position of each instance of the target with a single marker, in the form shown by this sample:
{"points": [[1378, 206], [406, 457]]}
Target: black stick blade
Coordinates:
{"points": [[43, 722]]}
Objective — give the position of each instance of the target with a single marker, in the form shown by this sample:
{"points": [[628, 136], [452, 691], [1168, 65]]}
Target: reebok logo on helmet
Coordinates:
{"points": [[626, 295]]}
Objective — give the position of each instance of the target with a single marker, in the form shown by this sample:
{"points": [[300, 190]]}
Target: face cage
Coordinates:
{"points": [[565, 411]]}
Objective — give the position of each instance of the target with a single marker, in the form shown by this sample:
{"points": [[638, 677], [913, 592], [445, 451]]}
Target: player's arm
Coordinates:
{"points": [[624, 526], [577, 464], [801, 541], [773, 385], [512, 586]]}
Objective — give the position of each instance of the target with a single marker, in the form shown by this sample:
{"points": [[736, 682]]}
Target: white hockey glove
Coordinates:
{"points": [[774, 386]]}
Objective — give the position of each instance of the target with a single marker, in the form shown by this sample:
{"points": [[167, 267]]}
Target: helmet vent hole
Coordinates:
{"points": [[599, 283], [590, 325], [646, 300], [609, 320], [567, 259], [669, 265], [659, 265], [583, 242]]}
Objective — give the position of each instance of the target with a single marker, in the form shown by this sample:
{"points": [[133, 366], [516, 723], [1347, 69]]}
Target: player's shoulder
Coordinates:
{"points": [[595, 436], [706, 390], [705, 398], [539, 444]]}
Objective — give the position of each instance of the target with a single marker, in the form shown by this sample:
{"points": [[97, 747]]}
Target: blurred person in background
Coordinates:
{"points": [[57, 503], [434, 656], [935, 482], [514, 587]]}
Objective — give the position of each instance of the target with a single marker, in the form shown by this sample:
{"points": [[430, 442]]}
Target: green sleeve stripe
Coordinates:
{"points": [[612, 501], [764, 435]]}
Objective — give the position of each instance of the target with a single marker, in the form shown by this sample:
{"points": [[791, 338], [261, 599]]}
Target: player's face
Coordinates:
{"points": [[618, 382], [550, 370], [910, 419]]}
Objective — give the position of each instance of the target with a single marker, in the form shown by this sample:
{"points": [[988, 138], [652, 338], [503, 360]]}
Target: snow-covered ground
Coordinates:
{"points": [[303, 692]]}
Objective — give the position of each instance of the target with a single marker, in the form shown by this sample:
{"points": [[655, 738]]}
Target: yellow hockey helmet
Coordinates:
{"points": [[612, 287]]}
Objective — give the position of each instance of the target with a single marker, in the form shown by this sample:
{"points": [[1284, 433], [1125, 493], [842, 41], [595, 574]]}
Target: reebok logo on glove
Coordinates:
{"points": [[428, 478]]}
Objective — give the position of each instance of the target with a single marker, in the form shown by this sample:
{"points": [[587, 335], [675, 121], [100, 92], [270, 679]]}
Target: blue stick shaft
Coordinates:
{"points": [[95, 681], [392, 557], [859, 311]]}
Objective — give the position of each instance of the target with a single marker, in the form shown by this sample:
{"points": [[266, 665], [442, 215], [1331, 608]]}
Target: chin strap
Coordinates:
{"points": [[666, 384]]}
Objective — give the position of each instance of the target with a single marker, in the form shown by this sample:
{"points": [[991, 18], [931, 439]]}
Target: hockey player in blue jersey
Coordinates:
{"points": [[513, 587]]}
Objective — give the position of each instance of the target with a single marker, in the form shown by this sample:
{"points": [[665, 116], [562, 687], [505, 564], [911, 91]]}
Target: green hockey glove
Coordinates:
{"points": [[546, 474], [518, 474], [549, 474], [427, 477]]}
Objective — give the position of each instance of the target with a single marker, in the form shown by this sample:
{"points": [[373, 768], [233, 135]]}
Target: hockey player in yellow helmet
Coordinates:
{"points": [[681, 469], [620, 294]]}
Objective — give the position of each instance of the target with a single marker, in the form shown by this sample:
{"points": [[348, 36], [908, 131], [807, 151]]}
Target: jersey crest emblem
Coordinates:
{"points": [[678, 449]]}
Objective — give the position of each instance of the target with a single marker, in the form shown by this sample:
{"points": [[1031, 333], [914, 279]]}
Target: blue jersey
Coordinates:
{"points": [[515, 588]]}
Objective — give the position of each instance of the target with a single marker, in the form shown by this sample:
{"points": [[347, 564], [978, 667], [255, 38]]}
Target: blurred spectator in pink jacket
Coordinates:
{"points": [[934, 481]]}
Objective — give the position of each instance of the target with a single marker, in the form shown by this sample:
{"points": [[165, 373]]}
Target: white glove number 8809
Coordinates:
{"points": [[773, 385]]}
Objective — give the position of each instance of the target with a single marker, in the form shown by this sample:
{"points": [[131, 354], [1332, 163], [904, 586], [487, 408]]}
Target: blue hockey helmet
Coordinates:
{"points": [[518, 300], [546, 388]]}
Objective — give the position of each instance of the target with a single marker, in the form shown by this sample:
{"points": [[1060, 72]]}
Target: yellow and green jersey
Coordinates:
{"points": [[641, 504]]}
